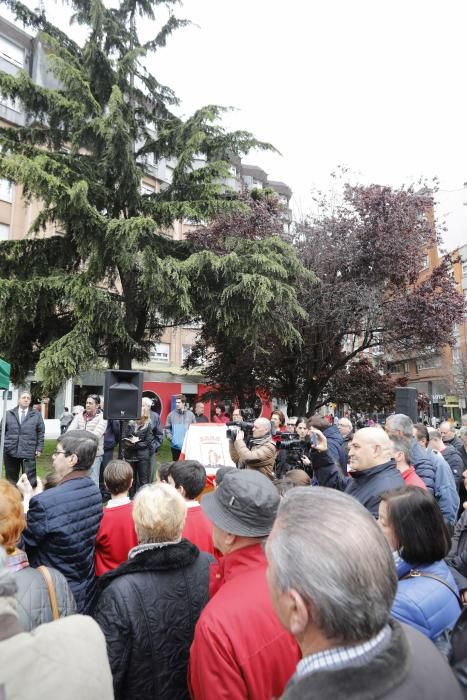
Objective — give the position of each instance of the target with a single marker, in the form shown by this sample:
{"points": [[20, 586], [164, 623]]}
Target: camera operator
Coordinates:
{"points": [[261, 451], [296, 455]]}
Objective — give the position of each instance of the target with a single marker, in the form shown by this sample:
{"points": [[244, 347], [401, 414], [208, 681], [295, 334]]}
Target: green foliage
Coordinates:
{"points": [[103, 288]]}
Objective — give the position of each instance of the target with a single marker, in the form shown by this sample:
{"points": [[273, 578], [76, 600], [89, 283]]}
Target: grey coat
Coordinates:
{"points": [[23, 441], [32, 597]]}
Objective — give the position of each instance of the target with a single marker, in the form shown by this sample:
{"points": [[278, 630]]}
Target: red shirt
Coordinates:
{"points": [[116, 536], [411, 478], [198, 529], [240, 649]]}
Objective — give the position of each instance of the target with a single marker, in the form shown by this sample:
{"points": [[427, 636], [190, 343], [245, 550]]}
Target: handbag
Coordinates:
{"points": [[444, 642], [51, 589], [414, 573]]}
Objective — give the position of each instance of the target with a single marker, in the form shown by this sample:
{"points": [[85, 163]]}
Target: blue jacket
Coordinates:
{"points": [[445, 488], [336, 447], [423, 464], [62, 525], [424, 603], [176, 426]]}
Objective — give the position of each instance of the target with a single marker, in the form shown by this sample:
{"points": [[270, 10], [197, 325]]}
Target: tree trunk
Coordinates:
{"points": [[124, 360]]}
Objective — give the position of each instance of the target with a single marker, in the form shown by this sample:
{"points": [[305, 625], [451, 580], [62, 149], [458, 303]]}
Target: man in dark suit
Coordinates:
{"points": [[24, 439]]}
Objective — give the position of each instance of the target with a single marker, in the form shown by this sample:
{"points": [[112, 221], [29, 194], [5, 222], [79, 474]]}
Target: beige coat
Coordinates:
{"points": [[261, 457], [62, 660], [96, 425]]}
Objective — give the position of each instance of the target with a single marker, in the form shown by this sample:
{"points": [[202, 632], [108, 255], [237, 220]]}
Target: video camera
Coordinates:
{"points": [[233, 428]]}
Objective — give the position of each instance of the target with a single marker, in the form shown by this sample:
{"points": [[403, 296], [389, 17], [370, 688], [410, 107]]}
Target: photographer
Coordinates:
{"points": [[261, 452], [294, 450]]}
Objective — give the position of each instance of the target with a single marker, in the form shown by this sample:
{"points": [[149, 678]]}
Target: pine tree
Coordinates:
{"points": [[106, 287]]}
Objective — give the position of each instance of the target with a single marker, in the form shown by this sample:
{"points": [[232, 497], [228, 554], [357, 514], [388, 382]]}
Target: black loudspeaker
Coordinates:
{"points": [[123, 391], [407, 402]]}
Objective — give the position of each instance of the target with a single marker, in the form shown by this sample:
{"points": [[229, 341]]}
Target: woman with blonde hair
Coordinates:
{"points": [[33, 601], [148, 607], [138, 444]]}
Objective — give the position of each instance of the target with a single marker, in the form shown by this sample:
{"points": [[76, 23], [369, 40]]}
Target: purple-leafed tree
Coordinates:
{"points": [[367, 251], [364, 387]]}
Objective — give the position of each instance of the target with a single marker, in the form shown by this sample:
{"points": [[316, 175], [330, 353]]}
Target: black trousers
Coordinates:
{"points": [[175, 453], [14, 466]]}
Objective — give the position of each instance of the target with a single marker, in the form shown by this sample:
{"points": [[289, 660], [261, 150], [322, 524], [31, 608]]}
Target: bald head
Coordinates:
{"points": [[261, 427], [369, 448]]}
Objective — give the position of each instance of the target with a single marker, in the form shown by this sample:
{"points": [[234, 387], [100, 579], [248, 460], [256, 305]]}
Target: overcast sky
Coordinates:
{"points": [[377, 87]]}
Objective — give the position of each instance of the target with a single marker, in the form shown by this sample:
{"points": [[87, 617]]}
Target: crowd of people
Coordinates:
{"points": [[329, 563]]}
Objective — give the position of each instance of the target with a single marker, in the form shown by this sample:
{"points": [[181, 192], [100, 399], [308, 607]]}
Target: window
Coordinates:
{"points": [[147, 189], [160, 352], [4, 232], [464, 269], [11, 52], [6, 190], [8, 102], [429, 362], [425, 262], [186, 349]]}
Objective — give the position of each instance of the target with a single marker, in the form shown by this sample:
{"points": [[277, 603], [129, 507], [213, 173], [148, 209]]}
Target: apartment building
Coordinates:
{"points": [[164, 372], [442, 373]]}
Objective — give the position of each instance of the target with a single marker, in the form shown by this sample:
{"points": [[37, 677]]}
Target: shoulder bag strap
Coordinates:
{"points": [[414, 573], [51, 589]]}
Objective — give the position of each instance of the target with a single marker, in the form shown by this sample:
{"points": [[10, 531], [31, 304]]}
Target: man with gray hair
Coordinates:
{"points": [[334, 594], [449, 435], [345, 428], [401, 426]]}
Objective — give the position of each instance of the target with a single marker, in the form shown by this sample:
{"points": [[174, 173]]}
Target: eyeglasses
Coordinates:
{"points": [[59, 452]]}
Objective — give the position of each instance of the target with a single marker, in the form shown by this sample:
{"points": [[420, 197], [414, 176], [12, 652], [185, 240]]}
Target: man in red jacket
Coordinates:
{"points": [[240, 650]]}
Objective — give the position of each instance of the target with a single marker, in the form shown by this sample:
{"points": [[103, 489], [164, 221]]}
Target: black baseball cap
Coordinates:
{"points": [[245, 503]]}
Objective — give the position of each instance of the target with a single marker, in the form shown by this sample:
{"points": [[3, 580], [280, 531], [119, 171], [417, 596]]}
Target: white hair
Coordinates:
{"points": [[159, 512]]}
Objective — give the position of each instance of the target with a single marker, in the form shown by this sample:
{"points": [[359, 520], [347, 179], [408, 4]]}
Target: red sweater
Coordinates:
{"points": [[411, 478], [198, 529], [115, 538]]}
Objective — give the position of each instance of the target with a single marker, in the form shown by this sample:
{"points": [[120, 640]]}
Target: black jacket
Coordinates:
{"points": [[336, 447], [366, 486], [148, 608], [454, 459], [23, 441], [457, 557], [410, 667], [144, 447]]}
